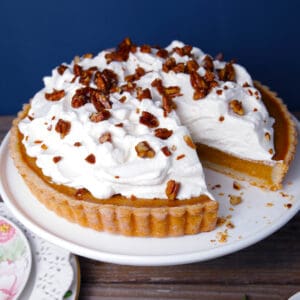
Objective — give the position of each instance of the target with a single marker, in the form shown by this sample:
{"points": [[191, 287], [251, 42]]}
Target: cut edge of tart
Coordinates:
{"points": [[117, 214], [259, 173]]}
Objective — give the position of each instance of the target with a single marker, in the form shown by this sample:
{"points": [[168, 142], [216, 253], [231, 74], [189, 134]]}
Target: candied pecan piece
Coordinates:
{"points": [[166, 151], [189, 141], [149, 120], [77, 69], [122, 52], [163, 53], [144, 150], [197, 81], [143, 94], [192, 66], [55, 95], [267, 136], [63, 127], [139, 72], [179, 68], [61, 69], [56, 159], [129, 87], [181, 156], [99, 99], [145, 49], [237, 107], [100, 81], [167, 104], [172, 91], [157, 83], [208, 63], [88, 55], [91, 158], [199, 94], [163, 133], [227, 73], [169, 64], [105, 138], [209, 76], [100, 116], [85, 77], [172, 189], [185, 50]]}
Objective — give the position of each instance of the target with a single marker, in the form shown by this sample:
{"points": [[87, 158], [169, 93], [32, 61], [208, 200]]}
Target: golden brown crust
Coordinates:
{"points": [[122, 219]]}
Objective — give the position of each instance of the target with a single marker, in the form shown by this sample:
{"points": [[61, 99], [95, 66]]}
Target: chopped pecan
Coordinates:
{"points": [[139, 72], [145, 49], [163, 53], [267, 136], [181, 156], [179, 68], [77, 144], [172, 189], [149, 120], [143, 94], [55, 95], [235, 200], [88, 55], [100, 116], [78, 100], [105, 138], [209, 76], [166, 151], [169, 64], [199, 84], [91, 158], [189, 141], [119, 125], [56, 159], [122, 52], [61, 69], [63, 127], [192, 66], [77, 69], [157, 83], [221, 118], [219, 92], [172, 91], [163, 133], [185, 50], [122, 99], [227, 73], [129, 87], [208, 63], [237, 107], [144, 150]]}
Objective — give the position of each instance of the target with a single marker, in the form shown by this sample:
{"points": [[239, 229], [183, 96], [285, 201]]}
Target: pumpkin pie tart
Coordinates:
{"points": [[115, 141]]}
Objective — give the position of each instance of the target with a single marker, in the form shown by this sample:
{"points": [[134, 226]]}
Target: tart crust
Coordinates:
{"points": [[260, 173], [118, 214]]}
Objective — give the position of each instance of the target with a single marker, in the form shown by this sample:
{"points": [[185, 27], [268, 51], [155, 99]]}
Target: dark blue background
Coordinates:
{"points": [[38, 35]]}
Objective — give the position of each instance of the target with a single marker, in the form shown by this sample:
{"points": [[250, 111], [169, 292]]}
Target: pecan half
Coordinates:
{"points": [[172, 189], [105, 138], [237, 107], [63, 127], [149, 120], [55, 95], [144, 150], [163, 133]]}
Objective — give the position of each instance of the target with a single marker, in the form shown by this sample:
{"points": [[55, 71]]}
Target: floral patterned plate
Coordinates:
{"points": [[55, 272], [15, 260]]}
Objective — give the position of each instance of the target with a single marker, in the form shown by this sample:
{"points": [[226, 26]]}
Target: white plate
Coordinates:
{"points": [[16, 260], [54, 271], [260, 214]]}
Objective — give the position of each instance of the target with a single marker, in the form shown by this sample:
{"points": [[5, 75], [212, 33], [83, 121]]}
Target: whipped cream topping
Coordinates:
{"points": [[116, 167]]}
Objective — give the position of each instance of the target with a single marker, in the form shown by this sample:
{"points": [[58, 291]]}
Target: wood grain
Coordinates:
{"points": [[268, 270]]}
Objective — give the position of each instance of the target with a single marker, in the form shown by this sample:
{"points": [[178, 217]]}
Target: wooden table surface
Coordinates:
{"points": [[268, 270]]}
